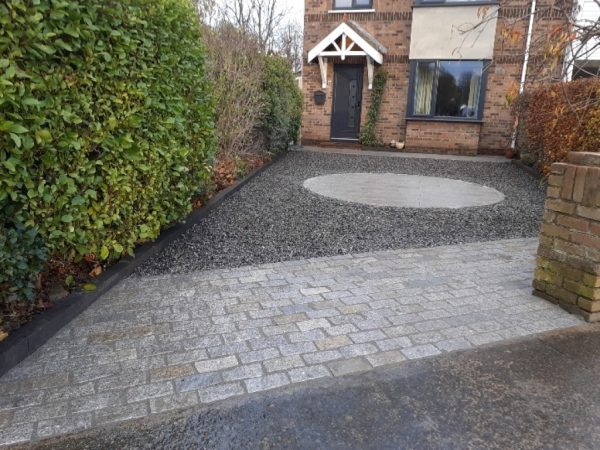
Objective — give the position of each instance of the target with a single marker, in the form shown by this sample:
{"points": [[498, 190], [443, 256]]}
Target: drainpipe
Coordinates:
{"points": [[524, 71]]}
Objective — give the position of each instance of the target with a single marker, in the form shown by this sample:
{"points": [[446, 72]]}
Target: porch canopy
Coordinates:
{"points": [[348, 39]]}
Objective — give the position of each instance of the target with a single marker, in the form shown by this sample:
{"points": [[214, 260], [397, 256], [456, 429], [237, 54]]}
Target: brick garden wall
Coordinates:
{"points": [[568, 265], [391, 25]]}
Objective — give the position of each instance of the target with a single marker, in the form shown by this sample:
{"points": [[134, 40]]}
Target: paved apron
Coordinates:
{"points": [[162, 343]]}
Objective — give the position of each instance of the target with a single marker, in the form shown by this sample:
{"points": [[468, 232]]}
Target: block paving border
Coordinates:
{"points": [[24, 341], [163, 343]]}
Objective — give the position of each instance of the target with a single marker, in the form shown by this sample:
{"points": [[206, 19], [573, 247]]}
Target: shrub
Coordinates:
{"points": [[283, 99], [367, 133], [235, 68], [106, 123], [560, 118], [23, 256]]}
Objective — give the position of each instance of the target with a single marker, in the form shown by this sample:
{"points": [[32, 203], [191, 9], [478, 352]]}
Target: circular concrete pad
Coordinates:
{"points": [[403, 191]]}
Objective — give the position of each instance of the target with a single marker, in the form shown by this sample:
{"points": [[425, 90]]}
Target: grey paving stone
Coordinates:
{"points": [[297, 348], [228, 349], [323, 356], [259, 355], [146, 391], [346, 366], [449, 345], [357, 350], [197, 381], [187, 356], [267, 342], [220, 392], [290, 318], [485, 338], [281, 329], [394, 343], [212, 365], [37, 413], [314, 291], [68, 392], [339, 330], [73, 423], [426, 337], [96, 401], [13, 434], [306, 336], [308, 373], [389, 357], [367, 336], [120, 413], [267, 382], [243, 372], [124, 379], [169, 342], [420, 351], [333, 342], [174, 402], [307, 325], [284, 363]]}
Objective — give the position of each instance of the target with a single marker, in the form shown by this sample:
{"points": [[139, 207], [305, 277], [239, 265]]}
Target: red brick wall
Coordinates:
{"points": [[455, 138], [391, 25]]}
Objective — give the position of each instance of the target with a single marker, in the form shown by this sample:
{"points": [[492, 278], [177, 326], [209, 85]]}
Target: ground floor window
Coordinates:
{"points": [[447, 89]]}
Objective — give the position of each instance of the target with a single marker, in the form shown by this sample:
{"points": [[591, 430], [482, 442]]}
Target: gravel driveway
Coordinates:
{"points": [[274, 218]]}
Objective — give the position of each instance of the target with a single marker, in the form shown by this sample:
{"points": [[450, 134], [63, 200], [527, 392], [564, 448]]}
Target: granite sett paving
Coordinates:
{"points": [[161, 343]]}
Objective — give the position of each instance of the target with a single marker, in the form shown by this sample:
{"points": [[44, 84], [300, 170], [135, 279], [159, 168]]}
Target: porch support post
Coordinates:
{"points": [[370, 71], [323, 67]]}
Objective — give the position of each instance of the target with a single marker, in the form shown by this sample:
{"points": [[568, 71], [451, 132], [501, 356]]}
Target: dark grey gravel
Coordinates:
{"points": [[274, 218]]}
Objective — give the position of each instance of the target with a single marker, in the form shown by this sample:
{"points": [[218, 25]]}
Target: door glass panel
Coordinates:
{"points": [[353, 91]]}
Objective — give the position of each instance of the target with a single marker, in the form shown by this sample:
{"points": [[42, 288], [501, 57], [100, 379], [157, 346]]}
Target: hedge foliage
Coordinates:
{"points": [[560, 118], [22, 256], [235, 68], [106, 120], [283, 104]]}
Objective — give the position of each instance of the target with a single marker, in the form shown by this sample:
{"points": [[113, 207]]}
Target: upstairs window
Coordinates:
{"points": [[447, 89], [352, 4]]}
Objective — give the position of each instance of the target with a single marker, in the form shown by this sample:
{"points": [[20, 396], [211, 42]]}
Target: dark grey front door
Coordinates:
{"points": [[347, 99]]}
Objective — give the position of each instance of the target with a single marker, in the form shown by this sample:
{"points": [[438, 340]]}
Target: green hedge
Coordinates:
{"points": [[283, 100], [22, 256], [106, 121]]}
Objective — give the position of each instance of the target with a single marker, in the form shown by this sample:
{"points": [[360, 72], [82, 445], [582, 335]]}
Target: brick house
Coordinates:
{"points": [[446, 90]]}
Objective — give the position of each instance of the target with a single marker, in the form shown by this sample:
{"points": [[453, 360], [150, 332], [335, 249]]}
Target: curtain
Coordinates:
{"points": [[423, 88]]}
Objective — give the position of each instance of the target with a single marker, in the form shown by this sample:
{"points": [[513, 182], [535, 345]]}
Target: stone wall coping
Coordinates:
{"points": [[584, 158]]}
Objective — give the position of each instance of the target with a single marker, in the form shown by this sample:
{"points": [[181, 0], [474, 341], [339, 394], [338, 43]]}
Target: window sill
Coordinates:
{"points": [[350, 11], [452, 4], [443, 119]]}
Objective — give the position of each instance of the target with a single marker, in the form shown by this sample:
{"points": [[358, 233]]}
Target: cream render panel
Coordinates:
{"points": [[436, 32]]}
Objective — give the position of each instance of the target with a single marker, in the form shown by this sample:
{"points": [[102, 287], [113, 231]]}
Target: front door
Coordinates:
{"points": [[347, 99]]}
